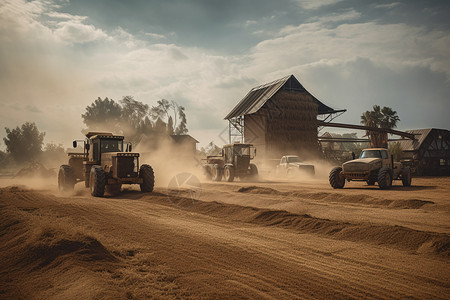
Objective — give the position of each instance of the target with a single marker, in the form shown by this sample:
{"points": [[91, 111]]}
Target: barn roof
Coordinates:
{"points": [[259, 95], [181, 138], [420, 136]]}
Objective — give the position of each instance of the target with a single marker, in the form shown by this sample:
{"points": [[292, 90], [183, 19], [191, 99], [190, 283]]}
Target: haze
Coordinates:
{"points": [[56, 57]]}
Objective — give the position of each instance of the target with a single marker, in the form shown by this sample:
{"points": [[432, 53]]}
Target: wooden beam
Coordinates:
{"points": [[362, 127]]}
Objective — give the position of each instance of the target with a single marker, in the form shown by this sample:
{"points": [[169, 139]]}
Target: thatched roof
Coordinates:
{"points": [[258, 96]]}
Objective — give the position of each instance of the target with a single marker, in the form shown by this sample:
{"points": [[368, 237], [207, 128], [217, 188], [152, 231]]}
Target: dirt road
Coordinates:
{"points": [[272, 239]]}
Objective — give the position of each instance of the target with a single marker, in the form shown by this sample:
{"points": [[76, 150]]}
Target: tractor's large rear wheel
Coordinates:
{"points": [[228, 173], [97, 183], [385, 178], [66, 178], [337, 181], [148, 176]]}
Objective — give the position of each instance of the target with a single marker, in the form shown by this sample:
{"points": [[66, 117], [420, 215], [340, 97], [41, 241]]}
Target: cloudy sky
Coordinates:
{"points": [[56, 57]]}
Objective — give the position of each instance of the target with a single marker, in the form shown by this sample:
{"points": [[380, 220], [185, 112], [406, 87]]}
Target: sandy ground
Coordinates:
{"points": [[271, 239]]}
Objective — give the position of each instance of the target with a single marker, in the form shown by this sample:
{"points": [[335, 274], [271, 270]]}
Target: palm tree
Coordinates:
{"points": [[384, 117]]}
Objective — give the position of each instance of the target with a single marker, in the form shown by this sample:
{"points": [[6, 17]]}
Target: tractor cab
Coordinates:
{"points": [[239, 155], [102, 146]]}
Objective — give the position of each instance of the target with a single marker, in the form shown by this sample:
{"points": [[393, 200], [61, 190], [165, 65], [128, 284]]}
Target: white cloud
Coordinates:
{"points": [[338, 17], [388, 5], [155, 35], [315, 4], [65, 16], [42, 69], [391, 44], [74, 32]]}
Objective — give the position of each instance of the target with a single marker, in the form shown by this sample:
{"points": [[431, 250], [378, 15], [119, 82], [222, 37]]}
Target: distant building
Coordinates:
{"points": [[279, 118], [429, 152], [185, 145]]}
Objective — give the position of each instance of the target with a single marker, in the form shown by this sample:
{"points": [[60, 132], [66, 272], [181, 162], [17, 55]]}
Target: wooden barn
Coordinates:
{"points": [[185, 145], [279, 118], [429, 152]]}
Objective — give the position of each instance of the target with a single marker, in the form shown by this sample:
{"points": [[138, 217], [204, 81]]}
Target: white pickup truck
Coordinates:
{"points": [[292, 166]]}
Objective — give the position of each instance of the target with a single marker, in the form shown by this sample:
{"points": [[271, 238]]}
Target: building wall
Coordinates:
{"points": [[255, 133], [434, 153], [286, 124]]}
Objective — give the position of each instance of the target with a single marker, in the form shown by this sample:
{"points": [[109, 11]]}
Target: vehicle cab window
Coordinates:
{"points": [[384, 154], [95, 150], [370, 154], [283, 160]]}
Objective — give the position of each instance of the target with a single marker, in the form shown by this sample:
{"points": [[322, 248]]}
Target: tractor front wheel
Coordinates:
{"points": [[228, 173], [148, 176], [385, 178], [337, 181], [66, 178], [97, 181]]}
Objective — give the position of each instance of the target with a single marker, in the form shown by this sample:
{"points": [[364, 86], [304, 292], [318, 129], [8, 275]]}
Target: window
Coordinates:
{"points": [[293, 159], [442, 162], [370, 154], [283, 160], [111, 145], [384, 155]]}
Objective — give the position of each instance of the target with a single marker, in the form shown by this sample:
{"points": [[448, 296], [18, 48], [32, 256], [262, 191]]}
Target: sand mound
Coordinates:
{"points": [[395, 236], [333, 197], [259, 190], [55, 253], [84, 248]]}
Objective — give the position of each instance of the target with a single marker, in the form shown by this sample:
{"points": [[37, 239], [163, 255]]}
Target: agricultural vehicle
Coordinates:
{"points": [[373, 165], [103, 165], [234, 162]]}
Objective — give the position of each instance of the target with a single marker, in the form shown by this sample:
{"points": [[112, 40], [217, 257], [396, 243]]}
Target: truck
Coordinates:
{"points": [[234, 162], [291, 166], [373, 165], [104, 165]]}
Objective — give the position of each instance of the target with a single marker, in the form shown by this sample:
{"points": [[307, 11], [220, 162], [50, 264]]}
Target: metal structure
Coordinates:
{"points": [[362, 127], [278, 113]]}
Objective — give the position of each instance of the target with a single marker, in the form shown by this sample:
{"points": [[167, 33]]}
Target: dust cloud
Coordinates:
{"points": [[168, 159]]}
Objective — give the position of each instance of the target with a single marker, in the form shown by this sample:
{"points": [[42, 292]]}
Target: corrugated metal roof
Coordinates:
{"points": [[413, 145], [259, 95]]}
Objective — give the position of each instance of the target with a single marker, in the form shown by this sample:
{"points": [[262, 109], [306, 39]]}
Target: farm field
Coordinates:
{"points": [[272, 239]]}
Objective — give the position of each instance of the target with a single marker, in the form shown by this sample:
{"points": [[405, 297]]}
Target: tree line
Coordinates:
{"points": [[128, 117], [134, 119]]}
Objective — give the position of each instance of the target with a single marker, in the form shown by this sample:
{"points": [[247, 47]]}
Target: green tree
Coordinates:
{"points": [[170, 126], [182, 126], [102, 114], [133, 111], [166, 109], [25, 142], [132, 118], [3, 159], [379, 117]]}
